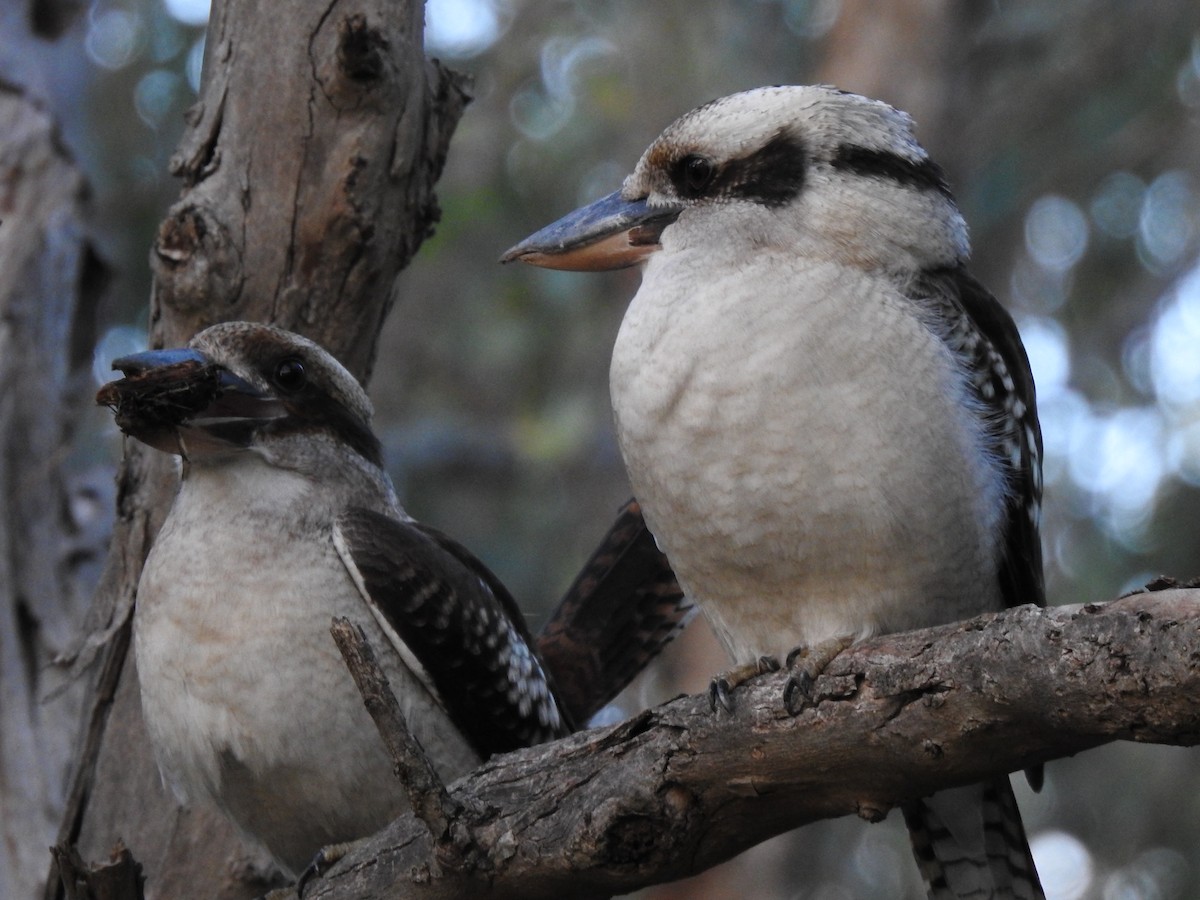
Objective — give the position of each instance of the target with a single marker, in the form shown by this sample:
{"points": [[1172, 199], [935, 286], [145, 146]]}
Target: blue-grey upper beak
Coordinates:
{"points": [[611, 233], [139, 363]]}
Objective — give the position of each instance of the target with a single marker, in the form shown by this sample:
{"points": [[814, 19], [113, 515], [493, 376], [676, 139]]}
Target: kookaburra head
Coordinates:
{"points": [[809, 169], [245, 387]]}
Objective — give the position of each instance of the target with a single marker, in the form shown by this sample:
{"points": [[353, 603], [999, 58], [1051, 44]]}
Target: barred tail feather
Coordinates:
{"points": [[969, 843]]}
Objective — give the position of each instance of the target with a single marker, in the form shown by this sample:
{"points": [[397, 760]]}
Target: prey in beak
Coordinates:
{"points": [[182, 402], [612, 233]]}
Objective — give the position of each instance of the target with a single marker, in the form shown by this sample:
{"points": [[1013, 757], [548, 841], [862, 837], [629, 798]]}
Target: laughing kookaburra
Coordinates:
{"points": [[829, 423], [283, 520]]}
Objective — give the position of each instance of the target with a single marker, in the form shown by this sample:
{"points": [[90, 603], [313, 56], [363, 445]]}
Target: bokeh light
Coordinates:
{"points": [[1117, 204], [811, 19], [154, 97], [1056, 233], [189, 12], [463, 28], [1167, 224], [1157, 874], [113, 38], [1175, 348], [1064, 864]]}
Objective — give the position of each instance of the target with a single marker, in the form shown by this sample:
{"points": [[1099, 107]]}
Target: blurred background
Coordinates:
{"points": [[1070, 132]]}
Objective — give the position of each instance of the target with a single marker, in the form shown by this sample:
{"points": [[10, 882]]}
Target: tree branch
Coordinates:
{"points": [[678, 788], [426, 793]]}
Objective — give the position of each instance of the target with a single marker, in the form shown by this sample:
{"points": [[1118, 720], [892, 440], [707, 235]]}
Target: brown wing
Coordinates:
{"points": [[459, 624], [622, 609], [985, 337]]}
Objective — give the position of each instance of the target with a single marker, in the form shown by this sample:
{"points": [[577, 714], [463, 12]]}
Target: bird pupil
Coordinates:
{"points": [[697, 172], [289, 374]]}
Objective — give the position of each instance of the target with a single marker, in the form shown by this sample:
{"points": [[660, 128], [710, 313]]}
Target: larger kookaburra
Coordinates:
{"points": [[285, 519], [829, 423]]}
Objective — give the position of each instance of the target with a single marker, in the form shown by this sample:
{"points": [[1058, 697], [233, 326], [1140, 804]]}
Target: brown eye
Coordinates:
{"points": [[289, 374], [696, 174]]}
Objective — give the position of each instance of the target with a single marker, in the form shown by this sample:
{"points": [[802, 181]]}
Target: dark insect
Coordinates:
{"points": [[160, 398]]}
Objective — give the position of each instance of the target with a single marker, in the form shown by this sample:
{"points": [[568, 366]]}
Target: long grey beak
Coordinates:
{"points": [[612, 233]]}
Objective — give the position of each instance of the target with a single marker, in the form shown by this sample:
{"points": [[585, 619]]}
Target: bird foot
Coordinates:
{"points": [[806, 664], [720, 690], [325, 860]]}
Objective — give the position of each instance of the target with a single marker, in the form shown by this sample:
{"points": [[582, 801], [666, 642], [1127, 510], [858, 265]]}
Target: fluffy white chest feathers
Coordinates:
{"points": [[803, 450], [245, 696]]}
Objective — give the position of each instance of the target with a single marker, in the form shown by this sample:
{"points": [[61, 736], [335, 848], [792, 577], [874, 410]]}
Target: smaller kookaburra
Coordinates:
{"points": [[283, 520], [829, 423]]}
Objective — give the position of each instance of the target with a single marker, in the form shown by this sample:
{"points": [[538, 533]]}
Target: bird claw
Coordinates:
{"points": [[767, 664], [325, 860], [794, 654], [720, 690], [797, 693], [720, 693], [806, 664]]}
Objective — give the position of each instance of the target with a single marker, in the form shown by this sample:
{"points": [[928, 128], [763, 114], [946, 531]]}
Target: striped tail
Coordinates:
{"points": [[969, 843]]}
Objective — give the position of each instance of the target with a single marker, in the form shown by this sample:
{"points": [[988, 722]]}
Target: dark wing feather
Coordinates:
{"points": [[462, 626], [984, 336], [981, 333], [622, 609]]}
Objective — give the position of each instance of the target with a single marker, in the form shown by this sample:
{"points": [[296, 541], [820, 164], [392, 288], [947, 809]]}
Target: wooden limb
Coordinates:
{"points": [[427, 795], [677, 789]]}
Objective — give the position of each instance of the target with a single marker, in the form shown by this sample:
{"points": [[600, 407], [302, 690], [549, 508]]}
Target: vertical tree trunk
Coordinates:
{"points": [[308, 164], [49, 284]]}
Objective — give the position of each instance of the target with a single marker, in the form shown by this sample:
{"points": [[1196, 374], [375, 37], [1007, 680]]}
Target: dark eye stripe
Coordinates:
{"points": [[771, 175], [925, 175]]}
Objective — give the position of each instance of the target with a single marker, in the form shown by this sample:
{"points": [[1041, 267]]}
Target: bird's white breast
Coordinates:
{"points": [[803, 449], [245, 695]]}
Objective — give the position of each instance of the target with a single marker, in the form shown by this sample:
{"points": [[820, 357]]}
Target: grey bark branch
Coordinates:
{"points": [[678, 788], [426, 793]]}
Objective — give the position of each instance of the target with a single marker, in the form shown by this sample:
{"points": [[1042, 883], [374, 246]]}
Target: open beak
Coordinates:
{"points": [[180, 401], [611, 233]]}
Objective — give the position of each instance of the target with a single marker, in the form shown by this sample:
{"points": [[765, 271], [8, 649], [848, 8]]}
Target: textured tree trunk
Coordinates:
{"points": [[309, 164], [50, 281]]}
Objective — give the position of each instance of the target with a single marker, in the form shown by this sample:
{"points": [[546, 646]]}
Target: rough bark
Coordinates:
{"points": [[309, 163], [50, 282], [680, 788]]}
